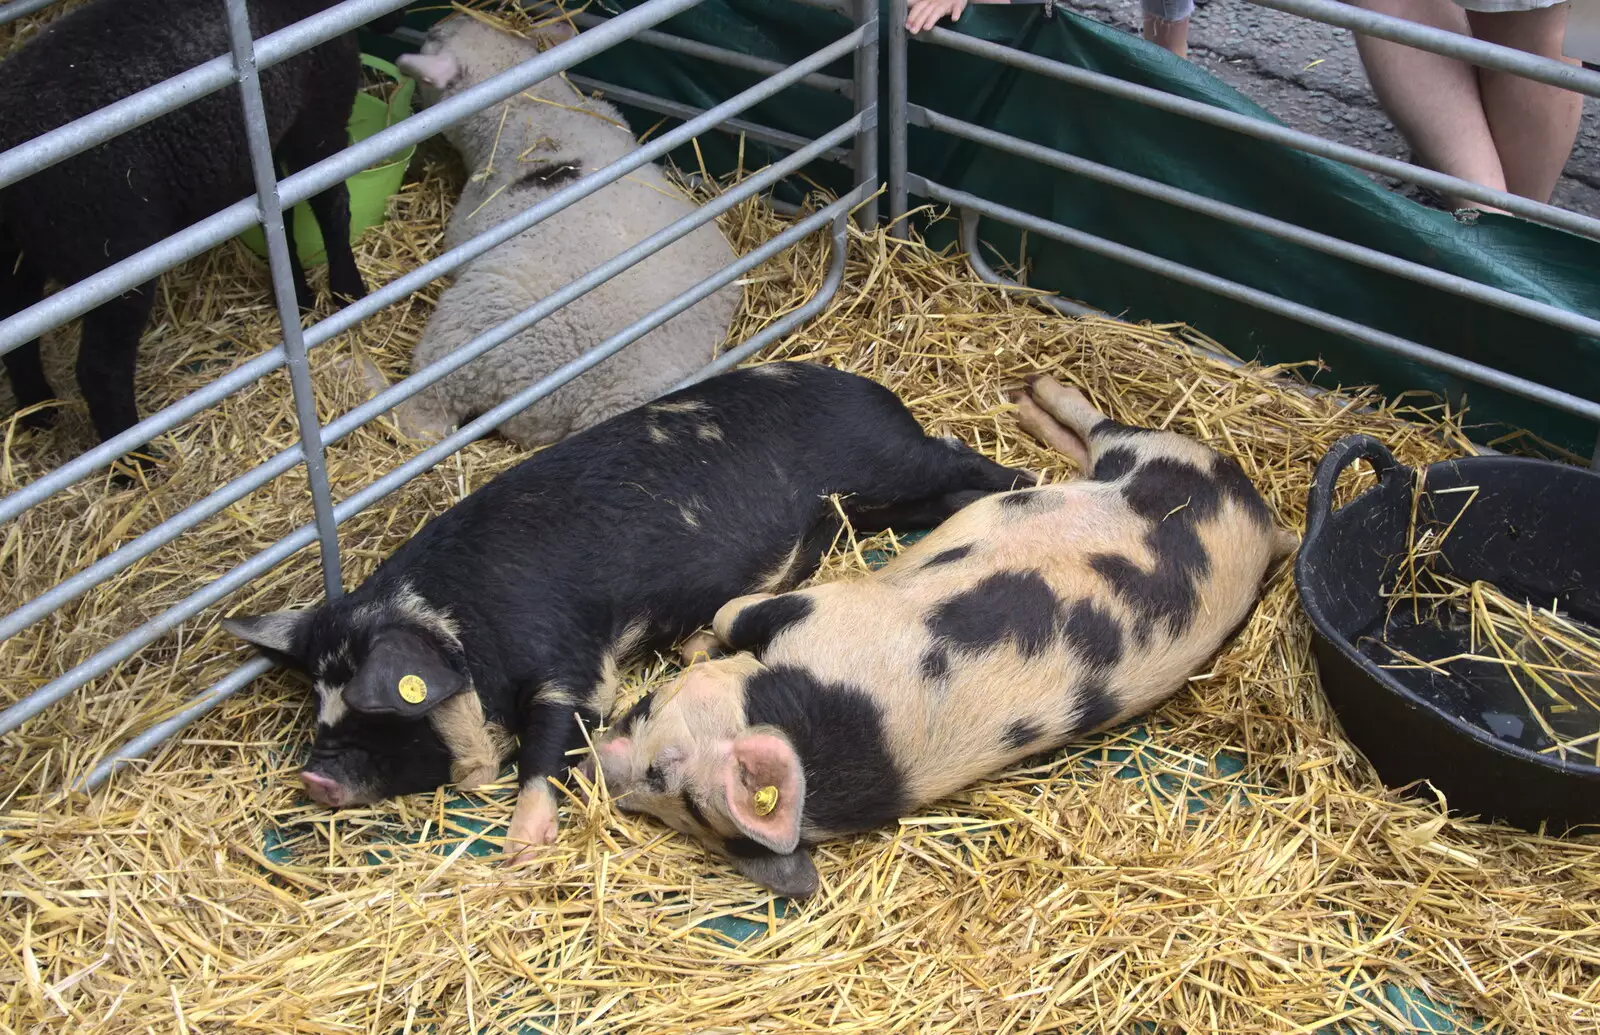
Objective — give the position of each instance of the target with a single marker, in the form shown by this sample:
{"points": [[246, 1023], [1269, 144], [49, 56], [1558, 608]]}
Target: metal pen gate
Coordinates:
{"points": [[902, 182], [853, 142]]}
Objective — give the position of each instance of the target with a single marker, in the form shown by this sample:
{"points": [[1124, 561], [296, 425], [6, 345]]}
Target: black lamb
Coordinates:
{"points": [[82, 215]]}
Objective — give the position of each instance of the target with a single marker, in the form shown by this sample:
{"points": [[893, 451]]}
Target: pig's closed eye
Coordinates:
{"points": [[654, 779]]}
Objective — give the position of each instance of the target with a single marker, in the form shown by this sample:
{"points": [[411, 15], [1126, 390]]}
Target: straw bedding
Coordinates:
{"points": [[1264, 882]]}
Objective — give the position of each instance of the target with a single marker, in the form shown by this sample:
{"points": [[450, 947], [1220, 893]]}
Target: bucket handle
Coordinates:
{"points": [[1346, 451]]}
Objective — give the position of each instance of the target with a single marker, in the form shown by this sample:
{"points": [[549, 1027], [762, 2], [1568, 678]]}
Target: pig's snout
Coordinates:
{"points": [[325, 790]]}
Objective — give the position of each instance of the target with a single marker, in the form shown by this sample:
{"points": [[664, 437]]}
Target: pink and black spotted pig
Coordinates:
{"points": [[1027, 619]]}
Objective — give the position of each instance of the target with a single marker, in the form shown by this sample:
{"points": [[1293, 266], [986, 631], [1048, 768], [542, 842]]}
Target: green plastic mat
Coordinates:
{"points": [[1534, 261]]}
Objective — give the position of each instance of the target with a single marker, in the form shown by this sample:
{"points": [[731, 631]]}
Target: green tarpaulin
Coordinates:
{"points": [[1534, 261]]}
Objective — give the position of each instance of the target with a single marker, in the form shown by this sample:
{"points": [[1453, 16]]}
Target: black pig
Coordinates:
{"points": [[514, 610]]}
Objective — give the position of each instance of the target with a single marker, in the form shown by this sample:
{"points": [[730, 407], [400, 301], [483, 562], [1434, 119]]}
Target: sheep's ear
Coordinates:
{"points": [[436, 70]]}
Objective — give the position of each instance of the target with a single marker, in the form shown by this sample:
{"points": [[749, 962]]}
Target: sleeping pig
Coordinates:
{"points": [[513, 611], [1025, 620]]}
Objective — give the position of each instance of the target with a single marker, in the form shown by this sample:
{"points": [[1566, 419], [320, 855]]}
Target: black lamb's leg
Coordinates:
{"points": [[108, 358], [319, 133], [21, 285]]}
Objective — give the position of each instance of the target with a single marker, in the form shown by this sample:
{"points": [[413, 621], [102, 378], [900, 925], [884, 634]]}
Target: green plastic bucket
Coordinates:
{"points": [[371, 188]]}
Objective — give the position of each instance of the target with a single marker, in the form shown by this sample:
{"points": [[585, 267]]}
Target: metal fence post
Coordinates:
{"points": [[866, 76], [896, 44], [305, 403]]}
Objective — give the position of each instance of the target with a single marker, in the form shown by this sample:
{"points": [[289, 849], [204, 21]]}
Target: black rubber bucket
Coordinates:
{"points": [[1531, 530]]}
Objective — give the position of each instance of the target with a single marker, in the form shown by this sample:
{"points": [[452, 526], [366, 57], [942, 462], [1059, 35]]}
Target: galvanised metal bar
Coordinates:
{"points": [[724, 56], [895, 117], [866, 97], [1442, 41], [157, 734], [114, 119], [305, 401], [417, 465], [735, 127], [165, 532], [989, 275], [778, 328], [402, 287], [1260, 129], [81, 466], [10, 12], [209, 232], [1461, 287], [1478, 372]]}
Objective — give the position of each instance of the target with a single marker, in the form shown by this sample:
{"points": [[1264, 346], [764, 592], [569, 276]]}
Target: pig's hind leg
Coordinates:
{"points": [[941, 476], [1038, 423], [1064, 419]]}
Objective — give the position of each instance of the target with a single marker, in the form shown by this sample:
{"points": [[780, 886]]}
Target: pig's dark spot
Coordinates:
{"points": [[1094, 635], [1012, 606], [654, 779], [935, 664], [950, 556], [759, 624], [550, 174], [1174, 496], [1020, 734], [1166, 593], [693, 810], [744, 848], [1114, 463], [1163, 489], [1095, 705], [1030, 499], [1110, 428], [1236, 485], [852, 781], [630, 719]]}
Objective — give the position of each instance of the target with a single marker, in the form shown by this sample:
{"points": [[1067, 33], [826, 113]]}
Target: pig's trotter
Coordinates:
{"points": [[702, 646], [1041, 425], [548, 731], [533, 824], [1069, 406]]}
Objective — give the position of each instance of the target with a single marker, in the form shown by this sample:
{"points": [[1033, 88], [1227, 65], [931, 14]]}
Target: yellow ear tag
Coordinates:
{"points": [[413, 690], [766, 800]]}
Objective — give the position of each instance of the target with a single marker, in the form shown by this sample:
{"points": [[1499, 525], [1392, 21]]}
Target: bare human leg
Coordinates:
{"points": [[1433, 100], [1533, 125], [1169, 35]]}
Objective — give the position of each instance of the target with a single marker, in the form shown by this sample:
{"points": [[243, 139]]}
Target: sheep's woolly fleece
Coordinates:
{"points": [[1229, 866]]}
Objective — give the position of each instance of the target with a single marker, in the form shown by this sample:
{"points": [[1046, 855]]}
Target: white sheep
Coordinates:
{"points": [[519, 152]]}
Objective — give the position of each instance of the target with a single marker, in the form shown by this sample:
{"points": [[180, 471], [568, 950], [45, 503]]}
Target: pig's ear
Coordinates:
{"points": [[404, 674], [794, 875], [277, 634], [436, 70], [765, 787]]}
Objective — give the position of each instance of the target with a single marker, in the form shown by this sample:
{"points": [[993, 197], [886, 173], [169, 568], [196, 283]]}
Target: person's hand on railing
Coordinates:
{"points": [[922, 15]]}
